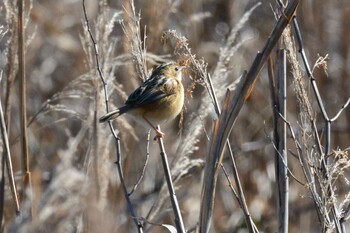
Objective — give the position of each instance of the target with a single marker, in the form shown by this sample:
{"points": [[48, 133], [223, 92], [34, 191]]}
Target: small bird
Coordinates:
{"points": [[158, 99]]}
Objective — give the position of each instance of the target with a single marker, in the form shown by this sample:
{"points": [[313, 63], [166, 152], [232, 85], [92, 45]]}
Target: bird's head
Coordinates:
{"points": [[171, 69]]}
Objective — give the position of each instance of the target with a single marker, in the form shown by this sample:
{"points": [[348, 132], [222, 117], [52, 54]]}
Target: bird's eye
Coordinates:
{"points": [[176, 69]]}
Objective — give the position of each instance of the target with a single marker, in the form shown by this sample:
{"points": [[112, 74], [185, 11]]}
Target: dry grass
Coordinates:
{"points": [[75, 184]]}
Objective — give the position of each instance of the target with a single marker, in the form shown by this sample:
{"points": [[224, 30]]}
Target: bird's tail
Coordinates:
{"points": [[110, 116], [114, 114]]}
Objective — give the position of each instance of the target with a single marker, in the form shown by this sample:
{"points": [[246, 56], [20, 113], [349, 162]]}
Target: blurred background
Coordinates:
{"points": [[75, 183]]}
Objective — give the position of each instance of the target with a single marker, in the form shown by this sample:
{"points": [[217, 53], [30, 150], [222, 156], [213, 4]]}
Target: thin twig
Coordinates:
{"points": [[11, 72], [175, 205], [144, 165], [117, 140], [241, 197], [230, 184], [327, 122], [307, 172], [126, 195], [341, 110], [27, 189], [231, 108], [8, 160], [281, 157]]}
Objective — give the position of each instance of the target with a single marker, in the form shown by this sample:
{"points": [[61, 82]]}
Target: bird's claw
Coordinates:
{"points": [[159, 134]]}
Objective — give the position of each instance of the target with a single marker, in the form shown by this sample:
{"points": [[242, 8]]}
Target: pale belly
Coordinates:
{"points": [[163, 111]]}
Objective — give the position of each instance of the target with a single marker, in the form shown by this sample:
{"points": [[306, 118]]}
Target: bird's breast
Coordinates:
{"points": [[167, 108]]}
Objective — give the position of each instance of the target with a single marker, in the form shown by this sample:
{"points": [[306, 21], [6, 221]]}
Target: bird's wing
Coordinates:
{"points": [[154, 88]]}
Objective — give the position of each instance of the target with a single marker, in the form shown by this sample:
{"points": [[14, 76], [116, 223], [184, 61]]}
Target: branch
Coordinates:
{"points": [[232, 106], [117, 139], [176, 209]]}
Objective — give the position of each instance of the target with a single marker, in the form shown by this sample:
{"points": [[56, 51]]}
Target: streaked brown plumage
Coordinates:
{"points": [[158, 99]]}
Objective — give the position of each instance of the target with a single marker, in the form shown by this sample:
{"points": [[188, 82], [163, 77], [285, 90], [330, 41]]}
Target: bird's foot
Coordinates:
{"points": [[159, 134]]}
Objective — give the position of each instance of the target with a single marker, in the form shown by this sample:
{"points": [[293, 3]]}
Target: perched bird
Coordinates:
{"points": [[158, 99]]}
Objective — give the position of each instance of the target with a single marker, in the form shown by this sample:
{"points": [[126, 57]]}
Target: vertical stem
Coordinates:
{"points": [[7, 157], [280, 142], [126, 195], [241, 197], [175, 205], [117, 140], [23, 106], [324, 159]]}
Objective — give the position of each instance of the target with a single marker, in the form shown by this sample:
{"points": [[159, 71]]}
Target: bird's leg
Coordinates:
{"points": [[159, 134]]}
